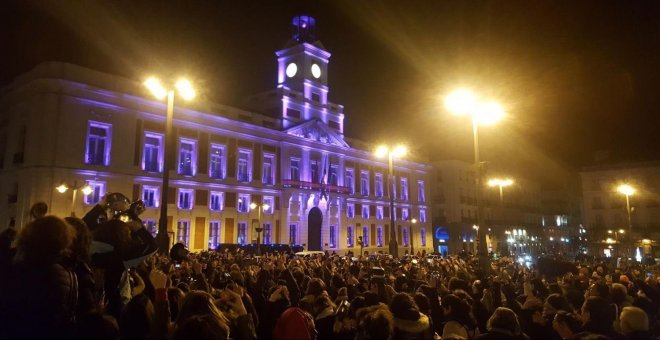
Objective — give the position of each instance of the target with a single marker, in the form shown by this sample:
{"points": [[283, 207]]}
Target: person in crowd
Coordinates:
{"points": [[409, 323], [598, 317], [39, 296], [503, 324], [460, 324], [375, 322], [564, 324], [634, 323]]}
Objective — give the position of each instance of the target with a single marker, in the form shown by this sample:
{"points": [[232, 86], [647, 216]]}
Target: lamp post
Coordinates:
{"points": [[186, 91], [413, 222], [477, 241], [85, 189], [627, 190], [464, 102], [616, 238], [259, 227], [398, 151]]}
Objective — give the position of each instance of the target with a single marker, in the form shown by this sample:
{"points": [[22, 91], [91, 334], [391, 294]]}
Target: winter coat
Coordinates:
{"points": [[413, 329]]}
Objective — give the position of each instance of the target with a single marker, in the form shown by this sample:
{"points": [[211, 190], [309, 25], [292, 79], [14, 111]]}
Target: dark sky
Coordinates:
{"points": [[576, 77]]}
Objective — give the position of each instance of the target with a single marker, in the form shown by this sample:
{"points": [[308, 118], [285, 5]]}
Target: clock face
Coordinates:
{"points": [[291, 70], [316, 71]]}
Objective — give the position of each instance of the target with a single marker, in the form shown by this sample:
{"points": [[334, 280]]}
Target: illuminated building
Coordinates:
{"points": [[65, 123]]}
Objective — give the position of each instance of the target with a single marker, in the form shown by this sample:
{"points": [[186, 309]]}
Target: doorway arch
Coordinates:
{"points": [[314, 223]]}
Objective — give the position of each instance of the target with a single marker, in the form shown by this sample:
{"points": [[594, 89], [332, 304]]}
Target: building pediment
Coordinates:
{"points": [[316, 130]]}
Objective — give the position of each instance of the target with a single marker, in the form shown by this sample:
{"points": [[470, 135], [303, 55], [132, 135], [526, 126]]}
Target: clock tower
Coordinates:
{"points": [[303, 80]]}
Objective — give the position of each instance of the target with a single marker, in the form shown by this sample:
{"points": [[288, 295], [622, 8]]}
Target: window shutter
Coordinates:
{"points": [[203, 157], [230, 200], [231, 158]]}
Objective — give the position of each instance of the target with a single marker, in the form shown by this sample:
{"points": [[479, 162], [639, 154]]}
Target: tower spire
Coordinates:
{"points": [[304, 29]]}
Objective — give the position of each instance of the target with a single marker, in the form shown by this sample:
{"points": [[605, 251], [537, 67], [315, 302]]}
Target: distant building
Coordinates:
{"points": [[606, 213], [61, 123]]}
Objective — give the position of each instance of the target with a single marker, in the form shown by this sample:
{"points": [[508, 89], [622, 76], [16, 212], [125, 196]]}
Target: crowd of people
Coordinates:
{"points": [[101, 277]]}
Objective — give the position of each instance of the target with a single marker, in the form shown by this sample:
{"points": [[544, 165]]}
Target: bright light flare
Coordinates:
{"points": [[253, 206], [381, 151], [266, 207], [87, 190], [62, 188], [186, 89], [496, 182], [488, 113], [414, 220], [399, 151], [460, 102], [626, 189], [156, 88]]}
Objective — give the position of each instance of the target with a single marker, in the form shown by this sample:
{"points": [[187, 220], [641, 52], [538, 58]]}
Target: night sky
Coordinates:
{"points": [[578, 78]]}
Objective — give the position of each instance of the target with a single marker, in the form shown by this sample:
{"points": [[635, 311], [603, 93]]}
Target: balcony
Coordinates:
{"points": [[287, 183]]}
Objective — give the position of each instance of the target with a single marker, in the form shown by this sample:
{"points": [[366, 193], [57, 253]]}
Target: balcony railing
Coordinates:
{"points": [[287, 183]]}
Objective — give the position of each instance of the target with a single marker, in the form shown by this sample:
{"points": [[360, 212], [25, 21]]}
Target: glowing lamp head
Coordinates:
{"points": [[253, 205], [414, 220], [461, 102], [399, 151], [186, 89], [609, 231], [266, 207], [154, 86], [381, 151], [87, 190], [62, 188], [488, 113], [621, 231], [626, 189]]}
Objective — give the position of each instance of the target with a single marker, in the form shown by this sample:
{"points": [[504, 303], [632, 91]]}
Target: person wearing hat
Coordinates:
{"points": [[409, 323]]}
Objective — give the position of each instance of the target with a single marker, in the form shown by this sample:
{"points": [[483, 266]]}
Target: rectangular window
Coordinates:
{"points": [[151, 226], [365, 236], [404, 189], [350, 210], [379, 213], [268, 170], [183, 232], [98, 191], [185, 199], [214, 234], [349, 181], [268, 233], [152, 153], [364, 183], [294, 169], [150, 196], [242, 233], [365, 211], [406, 237], [98, 144], [314, 172], [349, 236], [187, 157], [421, 195], [243, 203], [217, 201], [405, 214], [293, 234], [379, 236], [379, 185], [422, 235], [332, 179], [268, 204], [422, 215], [244, 170], [217, 169], [333, 236]]}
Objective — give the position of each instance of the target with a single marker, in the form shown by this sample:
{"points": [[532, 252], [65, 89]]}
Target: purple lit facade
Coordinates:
{"points": [[288, 152]]}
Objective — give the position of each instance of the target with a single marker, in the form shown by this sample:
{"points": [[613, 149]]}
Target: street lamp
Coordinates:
{"points": [[501, 183], [627, 191], [85, 189], [185, 90], [386, 151], [259, 227], [413, 222], [616, 238], [465, 102]]}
